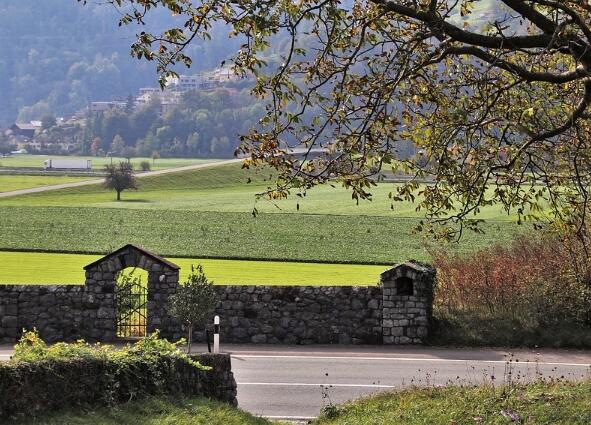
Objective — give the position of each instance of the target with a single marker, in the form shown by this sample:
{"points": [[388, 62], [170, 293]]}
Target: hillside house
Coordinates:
{"points": [[24, 130]]}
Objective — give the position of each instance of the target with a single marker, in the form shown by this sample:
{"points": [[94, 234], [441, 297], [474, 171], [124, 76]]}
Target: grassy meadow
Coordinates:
{"points": [[9, 183], [207, 214], [225, 189], [559, 402], [280, 237]]}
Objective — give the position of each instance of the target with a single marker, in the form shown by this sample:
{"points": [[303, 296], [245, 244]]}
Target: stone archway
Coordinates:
{"points": [[101, 280]]}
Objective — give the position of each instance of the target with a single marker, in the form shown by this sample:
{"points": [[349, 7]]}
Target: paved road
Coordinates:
{"points": [[290, 382], [99, 181], [293, 382]]}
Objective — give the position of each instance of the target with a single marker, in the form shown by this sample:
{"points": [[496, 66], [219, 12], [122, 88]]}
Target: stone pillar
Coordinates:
{"points": [[407, 300], [100, 314], [162, 283]]}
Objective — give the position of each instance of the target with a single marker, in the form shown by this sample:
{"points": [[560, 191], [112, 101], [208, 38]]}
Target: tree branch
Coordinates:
{"points": [[436, 23], [564, 77], [535, 17]]}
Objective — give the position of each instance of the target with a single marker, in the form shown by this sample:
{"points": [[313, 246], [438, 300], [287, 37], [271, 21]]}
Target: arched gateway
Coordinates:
{"points": [[134, 312]]}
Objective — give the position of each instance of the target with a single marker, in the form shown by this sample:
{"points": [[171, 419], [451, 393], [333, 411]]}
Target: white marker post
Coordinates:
{"points": [[216, 334]]}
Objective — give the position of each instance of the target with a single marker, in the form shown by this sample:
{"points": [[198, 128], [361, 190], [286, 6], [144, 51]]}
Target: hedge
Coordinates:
{"points": [[34, 388]]}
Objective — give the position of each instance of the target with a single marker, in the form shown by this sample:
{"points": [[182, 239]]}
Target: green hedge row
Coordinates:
{"points": [[34, 388]]}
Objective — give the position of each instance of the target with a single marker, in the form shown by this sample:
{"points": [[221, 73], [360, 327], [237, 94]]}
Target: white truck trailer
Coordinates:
{"points": [[68, 164]]}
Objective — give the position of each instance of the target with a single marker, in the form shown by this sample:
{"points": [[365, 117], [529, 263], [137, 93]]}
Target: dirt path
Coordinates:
{"points": [[99, 181]]}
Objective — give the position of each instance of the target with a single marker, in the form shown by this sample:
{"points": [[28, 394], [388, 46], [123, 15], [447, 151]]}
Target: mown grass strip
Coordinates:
{"points": [[52, 268], [9, 183]]}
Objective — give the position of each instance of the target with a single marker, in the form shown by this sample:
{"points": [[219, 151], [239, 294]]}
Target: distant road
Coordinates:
{"points": [[99, 181]]}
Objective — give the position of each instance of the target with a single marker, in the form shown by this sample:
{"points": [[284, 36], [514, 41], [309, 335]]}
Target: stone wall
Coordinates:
{"points": [[299, 314], [398, 312], [217, 383], [60, 313], [70, 312]]}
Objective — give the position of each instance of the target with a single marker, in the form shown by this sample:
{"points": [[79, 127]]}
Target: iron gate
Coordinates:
{"points": [[131, 299]]}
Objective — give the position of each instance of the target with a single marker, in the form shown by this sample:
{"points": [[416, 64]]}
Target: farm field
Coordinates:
{"points": [[289, 237], [9, 183], [36, 161], [207, 214], [53, 268], [225, 189]]}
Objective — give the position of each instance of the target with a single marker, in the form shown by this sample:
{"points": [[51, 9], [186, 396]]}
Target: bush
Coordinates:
{"points": [[193, 301], [43, 378], [145, 166], [504, 293]]}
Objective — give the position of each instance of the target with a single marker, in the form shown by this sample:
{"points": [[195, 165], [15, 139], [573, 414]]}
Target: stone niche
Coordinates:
{"points": [[407, 299]]}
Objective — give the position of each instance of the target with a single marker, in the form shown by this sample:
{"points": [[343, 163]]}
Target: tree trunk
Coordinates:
{"points": [[190, 339], [118, 195]]}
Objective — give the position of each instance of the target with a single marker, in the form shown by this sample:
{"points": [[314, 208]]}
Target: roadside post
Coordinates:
{"points": [[216, 334]]}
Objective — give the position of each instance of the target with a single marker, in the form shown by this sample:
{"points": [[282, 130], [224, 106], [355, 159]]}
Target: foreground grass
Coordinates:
{"points": [[52, 268], [537, 403], [155, 412], [9, 183], [36, 161]]}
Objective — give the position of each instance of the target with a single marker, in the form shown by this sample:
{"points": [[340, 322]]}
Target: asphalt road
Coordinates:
{"points": [[296, 382], [99, 181]]}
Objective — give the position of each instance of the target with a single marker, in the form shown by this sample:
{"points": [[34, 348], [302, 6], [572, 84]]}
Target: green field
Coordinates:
{"points": [[225, 189], [36, 161], [313, 238], [52, 268], [207, 213], [9, 182]]}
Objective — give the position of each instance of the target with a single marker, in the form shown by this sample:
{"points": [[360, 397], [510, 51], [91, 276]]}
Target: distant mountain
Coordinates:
{"points": [[56, 56]]}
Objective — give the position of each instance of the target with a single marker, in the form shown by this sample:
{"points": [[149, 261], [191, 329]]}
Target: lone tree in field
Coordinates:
{"points": [[494, 93], [120, 177], [193, 301]]}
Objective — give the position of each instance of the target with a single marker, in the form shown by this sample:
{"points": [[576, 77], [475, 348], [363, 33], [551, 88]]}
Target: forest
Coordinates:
{"points": [[203, 124], [57, 56]]}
